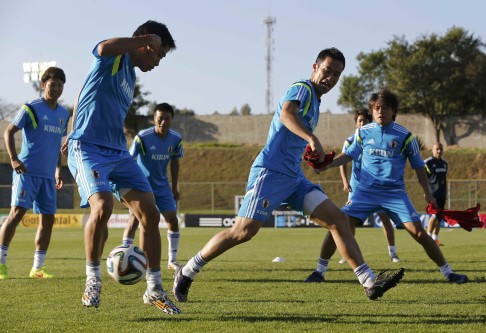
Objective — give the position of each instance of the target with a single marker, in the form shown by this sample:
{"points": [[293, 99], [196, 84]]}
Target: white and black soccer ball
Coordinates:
{"points": [[127, 264]]}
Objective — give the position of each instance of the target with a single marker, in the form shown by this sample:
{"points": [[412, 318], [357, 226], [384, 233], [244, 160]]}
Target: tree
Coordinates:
{"points": [[138, 102], [245, 110], [7, 111], [234, 112], [438, 76]]}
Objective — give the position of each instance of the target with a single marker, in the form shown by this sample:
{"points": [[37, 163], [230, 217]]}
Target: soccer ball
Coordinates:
{"points": [[127, 264]]}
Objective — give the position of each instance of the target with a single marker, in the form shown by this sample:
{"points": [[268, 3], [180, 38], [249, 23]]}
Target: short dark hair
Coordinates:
{"points": [[164, 107], [53, 73], [385, 96], [362, 112], [332, 53], [157, 28]]}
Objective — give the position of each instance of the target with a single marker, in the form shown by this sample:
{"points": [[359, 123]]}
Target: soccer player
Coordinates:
{"points": [[436, 168], [155, 148], [99, 159], [361, 117], [276, 177], [384, 148], [37, 169]]}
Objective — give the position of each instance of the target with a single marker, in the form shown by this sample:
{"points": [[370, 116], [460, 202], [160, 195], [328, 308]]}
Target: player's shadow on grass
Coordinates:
{"points": [[336, 318]]}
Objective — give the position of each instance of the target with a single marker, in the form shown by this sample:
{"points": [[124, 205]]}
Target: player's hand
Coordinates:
{"points": [[18, 166], [59, 180], [175, 193], [429, 198], [64, 147], [347, 189], [154, 43]]}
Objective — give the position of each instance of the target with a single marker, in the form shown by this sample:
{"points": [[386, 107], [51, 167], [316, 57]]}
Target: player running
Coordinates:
{"points": [[276, 176]]}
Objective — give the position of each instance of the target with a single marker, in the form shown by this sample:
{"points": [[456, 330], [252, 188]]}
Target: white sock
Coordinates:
{"points": [[127, 241], [392, 251], [39, 258], [322, 265], [434, 236], [193, 266], [173, 244], [93, 270], [154, 279], [365, 275], [3, 254], [446, 270]]}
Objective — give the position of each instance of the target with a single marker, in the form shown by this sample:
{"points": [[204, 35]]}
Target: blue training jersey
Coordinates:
{"points": [[154, 154], [42, 132], [384, 151], [104, 101], [283, 149], [356, 164]]}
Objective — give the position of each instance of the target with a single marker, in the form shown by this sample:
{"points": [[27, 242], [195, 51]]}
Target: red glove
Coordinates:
{"points": [[313, 158], [467, 219]]}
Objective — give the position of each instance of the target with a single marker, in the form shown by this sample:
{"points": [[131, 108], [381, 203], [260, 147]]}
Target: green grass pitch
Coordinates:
{"points": [[244, 291]]}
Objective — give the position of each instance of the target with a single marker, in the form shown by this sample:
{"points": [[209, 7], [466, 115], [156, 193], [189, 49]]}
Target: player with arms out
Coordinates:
{"points": [[99, 159], [437, 168], [156, 148], [361, 117], [37, 169], [276, 176], [384, 148]]}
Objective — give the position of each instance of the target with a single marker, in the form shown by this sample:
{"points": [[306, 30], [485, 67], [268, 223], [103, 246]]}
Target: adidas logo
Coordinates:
{"points": [[153, 148], [371, 141], [45, 117]]}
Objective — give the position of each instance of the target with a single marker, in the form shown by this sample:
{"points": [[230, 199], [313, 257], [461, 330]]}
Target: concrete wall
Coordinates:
{"points": [[332, 129]]}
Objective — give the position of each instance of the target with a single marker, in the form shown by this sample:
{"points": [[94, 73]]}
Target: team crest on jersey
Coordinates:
{"points": [[393, 144], [153, 148], [95, 174], [23, 193], [170, 149], [265, 203], [61, 121]]}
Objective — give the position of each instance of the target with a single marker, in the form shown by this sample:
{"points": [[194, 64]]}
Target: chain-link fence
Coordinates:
{"points": [[219, 197]]}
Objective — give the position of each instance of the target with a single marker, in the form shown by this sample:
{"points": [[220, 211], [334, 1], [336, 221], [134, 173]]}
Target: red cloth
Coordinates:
{"points": [[467, 219], [313, 158]]}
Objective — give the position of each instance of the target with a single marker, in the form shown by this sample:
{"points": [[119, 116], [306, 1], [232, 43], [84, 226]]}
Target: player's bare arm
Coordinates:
{"points": [[17, 165], [424, 183], [174, 172], [290, 118], [121, 45]]}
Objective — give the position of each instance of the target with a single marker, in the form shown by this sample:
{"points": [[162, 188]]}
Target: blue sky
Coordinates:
{"points": [[219, 63]]}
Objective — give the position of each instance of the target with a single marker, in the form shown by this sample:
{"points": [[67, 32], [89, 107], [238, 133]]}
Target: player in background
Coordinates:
{"points": [[384, 148], [362, 117], [99, 159], [437, 168], [156, 148], [276, 176], [37, 169]]}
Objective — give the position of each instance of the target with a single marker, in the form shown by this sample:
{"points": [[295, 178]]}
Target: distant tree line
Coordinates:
{"points": [[437, 76]]}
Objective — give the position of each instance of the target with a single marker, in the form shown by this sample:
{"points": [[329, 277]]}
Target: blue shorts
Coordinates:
{"points": [[267, 189], [32, 191], [101, 169], [395, 203], [165, 199]]}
